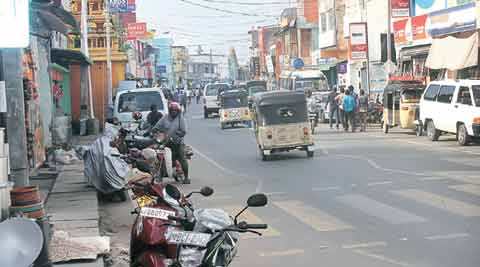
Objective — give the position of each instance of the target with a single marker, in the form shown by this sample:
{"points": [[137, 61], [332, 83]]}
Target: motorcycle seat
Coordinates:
{"points": [[142, 143]]}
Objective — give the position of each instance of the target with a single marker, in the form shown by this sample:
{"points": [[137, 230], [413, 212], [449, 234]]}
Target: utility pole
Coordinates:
{"points": [[86, 78], [16, 131], [389, 63], [109, 54]]}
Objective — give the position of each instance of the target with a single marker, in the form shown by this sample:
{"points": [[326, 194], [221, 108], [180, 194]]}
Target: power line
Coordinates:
{"points": [[248, 3], [225, 10]]}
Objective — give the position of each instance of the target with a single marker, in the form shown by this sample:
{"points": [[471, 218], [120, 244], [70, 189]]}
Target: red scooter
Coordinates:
{"points": [[159, 205]]}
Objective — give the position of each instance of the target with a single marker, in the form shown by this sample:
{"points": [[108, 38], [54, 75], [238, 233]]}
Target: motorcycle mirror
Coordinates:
{"points": [[206, 191], [257, 200], [173, 192]]}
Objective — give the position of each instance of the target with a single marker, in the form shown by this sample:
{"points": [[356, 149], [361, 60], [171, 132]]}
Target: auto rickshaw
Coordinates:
{"points": [[234, 108], [280, 120], [401, 103], [254, 87]]}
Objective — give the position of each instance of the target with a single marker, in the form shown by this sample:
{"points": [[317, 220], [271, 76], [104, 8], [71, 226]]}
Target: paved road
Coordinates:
{"points": [[365, 199]]}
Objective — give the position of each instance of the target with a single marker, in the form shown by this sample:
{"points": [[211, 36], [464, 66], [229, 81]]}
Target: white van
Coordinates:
{"points": [[302, 80], [210, 97], [451, 107], [129, 101]]}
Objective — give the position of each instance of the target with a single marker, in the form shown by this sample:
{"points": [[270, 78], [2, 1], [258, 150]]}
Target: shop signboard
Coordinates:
{"points": [[14, 12], [453, 20], [358, 41], [400, 8], [411, 30], [121, 6], [136, 30]]}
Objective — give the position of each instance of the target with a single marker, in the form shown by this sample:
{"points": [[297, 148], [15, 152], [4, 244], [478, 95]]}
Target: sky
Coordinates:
{"points": [[192, 25]]}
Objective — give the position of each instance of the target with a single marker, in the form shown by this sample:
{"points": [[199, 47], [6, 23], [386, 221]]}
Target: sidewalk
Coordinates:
{"points": [[73, 210]]}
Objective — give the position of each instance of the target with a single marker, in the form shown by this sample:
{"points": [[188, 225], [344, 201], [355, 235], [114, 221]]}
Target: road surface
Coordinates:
{"points": [[364, 199]]}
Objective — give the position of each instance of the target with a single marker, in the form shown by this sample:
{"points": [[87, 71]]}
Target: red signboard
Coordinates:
{"points": [[136, 30], [400, 8], [400, 30], [418, 27], [127, 18], [358, 41]]}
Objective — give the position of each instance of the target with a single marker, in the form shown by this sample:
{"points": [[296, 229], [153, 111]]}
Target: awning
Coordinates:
{"points": [[453, 53], [53, 18], [66, 57], [407, 53]]}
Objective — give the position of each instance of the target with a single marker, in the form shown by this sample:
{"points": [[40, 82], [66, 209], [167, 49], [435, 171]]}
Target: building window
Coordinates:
{"points": [[331, 20], [101, 42], [95, 6], [323, 22]]}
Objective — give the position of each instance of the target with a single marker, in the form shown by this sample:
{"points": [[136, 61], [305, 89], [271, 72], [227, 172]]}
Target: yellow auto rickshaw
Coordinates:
{"points": [[280, 120], [401, 104], [234, 108]]}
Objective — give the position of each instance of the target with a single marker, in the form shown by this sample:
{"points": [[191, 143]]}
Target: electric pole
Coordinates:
{"points": [[109, 54]]}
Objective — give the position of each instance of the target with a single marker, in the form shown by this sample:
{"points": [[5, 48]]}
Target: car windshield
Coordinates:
{"points": [[139, 101], [214, 89], [256, 89], [312, 84], [476, 94]]}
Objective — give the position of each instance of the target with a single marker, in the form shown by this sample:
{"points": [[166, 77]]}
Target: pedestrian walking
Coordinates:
{"points": [[363, 110], [333, 112], [197, 95], [339, 100], [355, 111], [348, 109]]}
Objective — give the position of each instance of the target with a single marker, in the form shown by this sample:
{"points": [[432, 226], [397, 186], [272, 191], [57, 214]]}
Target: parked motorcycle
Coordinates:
{"points": [[159, 208], [214, 241]]}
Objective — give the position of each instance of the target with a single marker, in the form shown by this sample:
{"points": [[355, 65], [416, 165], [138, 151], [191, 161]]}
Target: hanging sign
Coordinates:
{"points": [[136, 30], [358, 41], [400, 8], [121, 6], [14, 12]]}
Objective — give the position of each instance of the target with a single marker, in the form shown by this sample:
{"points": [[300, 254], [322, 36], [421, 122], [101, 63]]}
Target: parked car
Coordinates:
{"points": [[129, 101], [451, 107], [210, 97]]}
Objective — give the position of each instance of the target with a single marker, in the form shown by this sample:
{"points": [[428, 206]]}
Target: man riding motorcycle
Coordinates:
{"points": [[174, 126]]}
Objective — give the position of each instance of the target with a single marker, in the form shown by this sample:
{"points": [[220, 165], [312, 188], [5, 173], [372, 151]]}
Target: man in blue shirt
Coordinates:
{"points": [[349, 105]]}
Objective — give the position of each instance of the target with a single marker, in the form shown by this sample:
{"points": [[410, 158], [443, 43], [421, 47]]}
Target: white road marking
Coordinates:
{"points": [[379, 210], [467, 188], [275, 193], [447, 236], [378, 167], [290, 252], [250, 217], [380, 257], [437, 178], [379, 183], [315, 218], [365, 245], [329, 188], [441, 202]]}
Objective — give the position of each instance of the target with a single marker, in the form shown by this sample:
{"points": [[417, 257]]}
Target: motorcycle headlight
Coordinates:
{"points": [[191, 257]]}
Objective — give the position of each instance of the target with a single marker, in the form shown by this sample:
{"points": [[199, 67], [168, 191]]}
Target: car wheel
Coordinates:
{"points": [[432, 132], [262, 154], [205, 114], [462, 135], [310, 154]]}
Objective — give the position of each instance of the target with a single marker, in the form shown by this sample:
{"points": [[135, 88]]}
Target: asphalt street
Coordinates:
{"points": [[364, 199]]}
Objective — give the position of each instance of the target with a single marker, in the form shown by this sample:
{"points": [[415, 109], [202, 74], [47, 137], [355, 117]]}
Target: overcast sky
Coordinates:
{"points": [[192, 25]]}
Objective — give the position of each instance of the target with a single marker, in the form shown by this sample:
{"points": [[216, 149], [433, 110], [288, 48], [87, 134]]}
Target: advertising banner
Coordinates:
{"points": [[358, 41], [136, 30], [400, 8], [121, 6], [408, 31]]}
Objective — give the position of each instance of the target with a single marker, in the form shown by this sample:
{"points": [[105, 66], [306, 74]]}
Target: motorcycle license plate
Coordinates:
{"points": [[145, 201], [188, 238], [156, 213]]}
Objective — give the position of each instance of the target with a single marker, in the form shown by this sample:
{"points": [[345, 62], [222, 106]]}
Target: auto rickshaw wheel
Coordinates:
{"points": [[432, 132], [310, 154], [419, 130], [262, 154], [462, 135]]}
